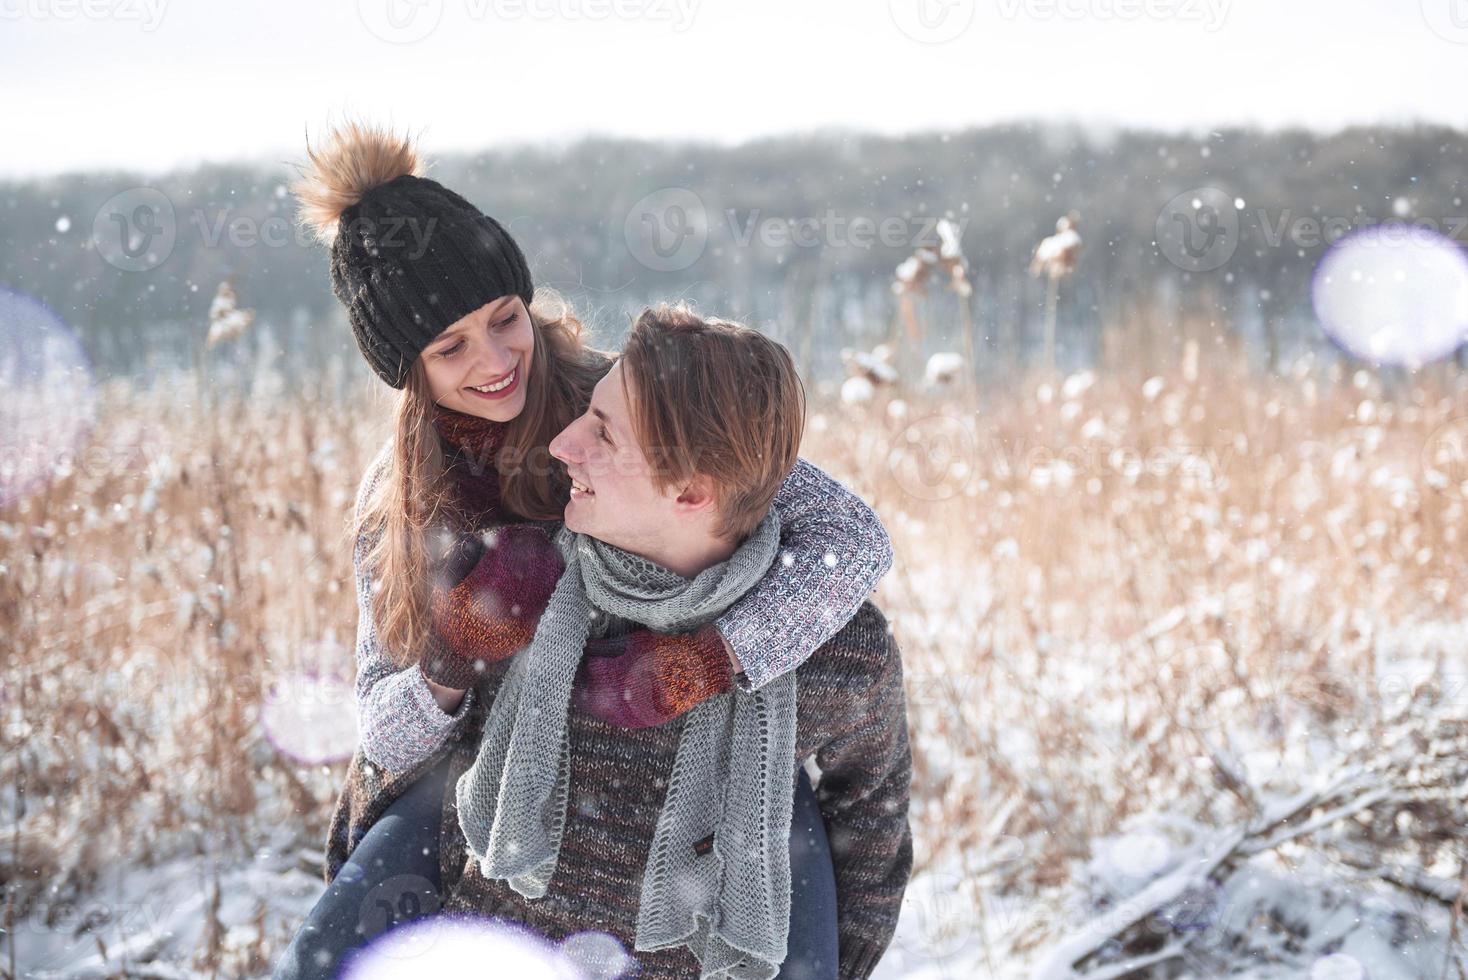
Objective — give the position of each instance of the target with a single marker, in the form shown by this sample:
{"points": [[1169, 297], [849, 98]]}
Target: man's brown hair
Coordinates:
{"points": [[715, 398]]}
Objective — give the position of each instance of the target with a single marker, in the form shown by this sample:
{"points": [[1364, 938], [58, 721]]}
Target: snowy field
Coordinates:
{"points": [[1184, 647]]}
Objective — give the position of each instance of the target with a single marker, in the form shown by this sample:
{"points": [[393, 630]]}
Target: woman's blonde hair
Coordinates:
{"points": [[412, 495]]}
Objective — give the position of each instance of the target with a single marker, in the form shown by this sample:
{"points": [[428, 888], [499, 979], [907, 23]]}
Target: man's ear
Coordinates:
{"points": [[696, 496]]}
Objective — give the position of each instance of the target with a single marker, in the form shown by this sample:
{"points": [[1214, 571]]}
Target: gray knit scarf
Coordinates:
{"points": [[733, 774]]}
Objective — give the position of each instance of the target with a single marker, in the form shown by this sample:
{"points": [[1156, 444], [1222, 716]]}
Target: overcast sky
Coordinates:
{"points": [[152, 84]]}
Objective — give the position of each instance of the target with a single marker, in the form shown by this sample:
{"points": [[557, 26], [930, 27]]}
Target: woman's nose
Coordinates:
{"points": [[494, 359]]}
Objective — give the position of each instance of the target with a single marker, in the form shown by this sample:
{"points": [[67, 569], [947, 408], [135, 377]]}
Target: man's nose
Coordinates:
{"points": [[562, 446]]}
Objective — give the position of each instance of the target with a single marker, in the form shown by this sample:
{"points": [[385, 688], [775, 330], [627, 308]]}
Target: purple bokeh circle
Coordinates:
{"points": [[50, 404]]}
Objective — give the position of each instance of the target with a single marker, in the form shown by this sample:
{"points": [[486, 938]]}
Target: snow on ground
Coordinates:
{"points": [[1299, 923], [150, 921]]}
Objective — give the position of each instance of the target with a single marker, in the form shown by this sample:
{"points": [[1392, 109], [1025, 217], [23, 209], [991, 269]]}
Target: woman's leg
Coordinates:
{"points": [[812, 947], [391, 877]]}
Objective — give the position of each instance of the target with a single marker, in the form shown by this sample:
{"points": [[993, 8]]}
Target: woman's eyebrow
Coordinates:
{"points": [[446, 340]]}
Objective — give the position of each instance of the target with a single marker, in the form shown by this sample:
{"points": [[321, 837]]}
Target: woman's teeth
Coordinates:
{"points": [[580, 487], [498, 385]]}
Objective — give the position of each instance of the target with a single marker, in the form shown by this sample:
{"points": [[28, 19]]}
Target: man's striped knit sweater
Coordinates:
{"points": [[851, 717]]}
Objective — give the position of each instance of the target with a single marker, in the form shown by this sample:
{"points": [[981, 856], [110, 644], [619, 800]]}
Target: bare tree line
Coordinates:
{"points": [[801, 234]]}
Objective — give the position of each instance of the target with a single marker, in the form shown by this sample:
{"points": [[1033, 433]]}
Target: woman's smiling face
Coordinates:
{"points": [[479, 364]]}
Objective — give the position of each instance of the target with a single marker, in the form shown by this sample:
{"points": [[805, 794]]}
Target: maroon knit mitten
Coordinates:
{"points": [[645, 679], [490, 611]]}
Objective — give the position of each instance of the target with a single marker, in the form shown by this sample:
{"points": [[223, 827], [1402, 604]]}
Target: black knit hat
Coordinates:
{"points": [[410, 259]]}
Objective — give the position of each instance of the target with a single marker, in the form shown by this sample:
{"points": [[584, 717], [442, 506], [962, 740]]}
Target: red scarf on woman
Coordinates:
{"points": [[471, 451]]}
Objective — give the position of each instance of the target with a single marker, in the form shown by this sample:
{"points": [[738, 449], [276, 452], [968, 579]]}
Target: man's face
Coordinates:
{"points": [[478, 365], [613, 496]]}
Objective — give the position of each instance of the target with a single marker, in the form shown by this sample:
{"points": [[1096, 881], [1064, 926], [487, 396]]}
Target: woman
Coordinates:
{"points": [[442, 305]]}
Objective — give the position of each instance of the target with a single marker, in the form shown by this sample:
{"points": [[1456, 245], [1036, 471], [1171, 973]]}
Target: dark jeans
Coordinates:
{"points": [[392, 877], [810, 953]]}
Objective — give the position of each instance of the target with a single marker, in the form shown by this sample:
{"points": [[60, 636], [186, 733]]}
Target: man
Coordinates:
{"points": [[674, 467]]}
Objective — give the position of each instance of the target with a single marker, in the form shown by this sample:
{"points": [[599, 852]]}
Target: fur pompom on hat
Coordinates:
{"points": [[409, 257]]}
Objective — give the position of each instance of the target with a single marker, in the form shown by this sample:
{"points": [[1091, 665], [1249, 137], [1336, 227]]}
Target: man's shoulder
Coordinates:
{"points": [[863, 649]]}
